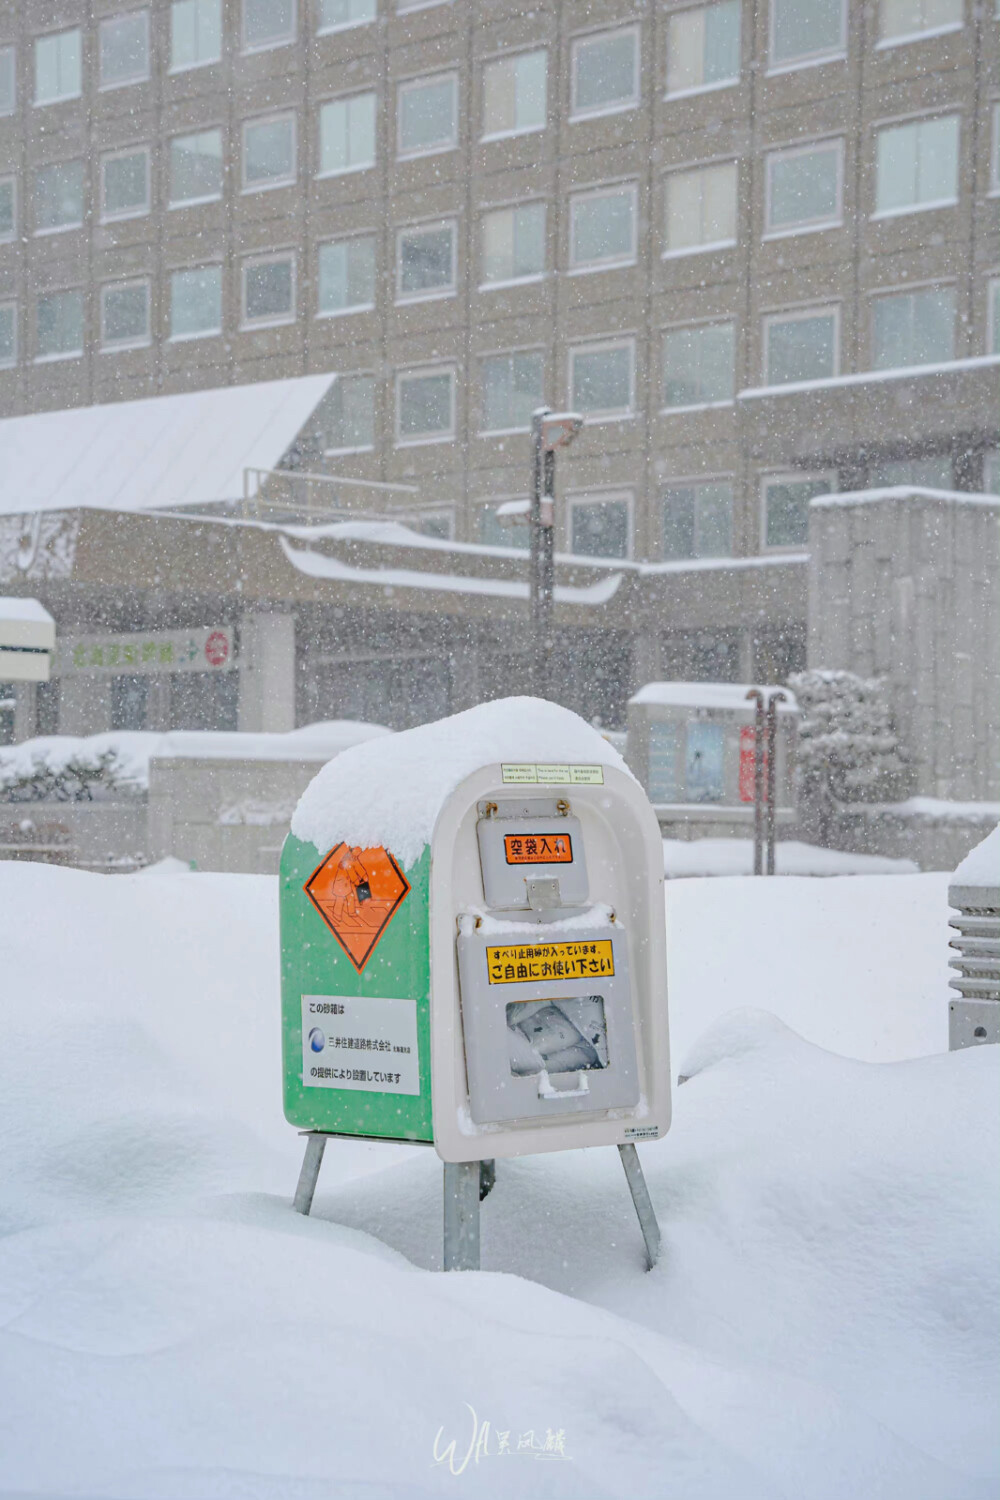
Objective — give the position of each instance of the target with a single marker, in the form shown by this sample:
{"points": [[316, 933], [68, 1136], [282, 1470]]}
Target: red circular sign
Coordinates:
{"points": [[217, 648]]}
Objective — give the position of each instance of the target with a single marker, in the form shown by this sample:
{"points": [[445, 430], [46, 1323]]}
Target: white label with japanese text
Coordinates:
{"points": [[360, 1042]]}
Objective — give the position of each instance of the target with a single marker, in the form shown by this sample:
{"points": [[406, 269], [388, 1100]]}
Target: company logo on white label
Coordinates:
{"points": [[366, 1042]]}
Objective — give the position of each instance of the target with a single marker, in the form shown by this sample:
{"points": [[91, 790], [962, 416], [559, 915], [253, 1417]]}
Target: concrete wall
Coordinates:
{"points": [[909, 588]]}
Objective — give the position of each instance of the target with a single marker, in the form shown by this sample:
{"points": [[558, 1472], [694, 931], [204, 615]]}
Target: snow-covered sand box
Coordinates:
{"points": [[822, 1325]]}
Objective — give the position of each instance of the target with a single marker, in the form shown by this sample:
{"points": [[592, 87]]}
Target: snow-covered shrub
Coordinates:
{"points": [[848, 747], [80, 778]]}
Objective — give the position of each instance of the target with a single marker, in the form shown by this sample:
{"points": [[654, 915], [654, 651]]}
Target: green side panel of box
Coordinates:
{"points": [[313, 963]]}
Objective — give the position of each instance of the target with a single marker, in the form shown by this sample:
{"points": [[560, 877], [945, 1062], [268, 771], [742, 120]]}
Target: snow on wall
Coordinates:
{"points": [[390, 792], [981, 866]]}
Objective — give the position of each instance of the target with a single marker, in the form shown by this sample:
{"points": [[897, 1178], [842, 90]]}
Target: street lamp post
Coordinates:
{"points": [[549, 431]]}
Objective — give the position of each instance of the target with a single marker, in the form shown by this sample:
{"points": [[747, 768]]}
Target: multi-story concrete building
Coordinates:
{"points": [[756, 245]]}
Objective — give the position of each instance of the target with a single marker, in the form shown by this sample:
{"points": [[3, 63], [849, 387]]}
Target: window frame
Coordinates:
{"points": [[207, 333], [909, 289], [119, 346], [56, 98], [593, 346], [249, 49], [124, 83], [69, 227], [408, 8], [812, 226], [322, 173], [992, 311], [12, 178], [699, 88], [344, 25], [62, 291], [11, 303], [174, 203], [10, 47], [512, 207], [900, 122], [712, 247], [357, 307], [363, 447], [407, 85], [787, 476], [116, 217], [271, 184], [511, 353], [581, 39], [511, 57], [907, 38], [603, 190], [415, 372], [694, 481], [576, 499], [805, 59], [800, 314], [728, 320], [438, 294], [993, 189], [201, 62], [267, 258]]}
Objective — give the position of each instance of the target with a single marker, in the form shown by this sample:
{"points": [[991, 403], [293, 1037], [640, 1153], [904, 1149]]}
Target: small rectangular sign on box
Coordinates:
{"points": [[360, 1042], [515, 963], [523, 773]]}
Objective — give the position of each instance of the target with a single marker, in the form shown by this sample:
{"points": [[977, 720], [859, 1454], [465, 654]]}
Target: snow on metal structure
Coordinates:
{"points": [[974, 892]]}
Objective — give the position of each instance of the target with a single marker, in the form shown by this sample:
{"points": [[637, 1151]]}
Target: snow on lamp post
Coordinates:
{"points": [[549, 430]]}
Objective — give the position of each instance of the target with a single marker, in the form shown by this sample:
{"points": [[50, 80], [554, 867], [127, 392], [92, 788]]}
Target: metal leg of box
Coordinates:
{"points": [[313, 1160], [461, 1215], [487, 1178], [643, 1202]]}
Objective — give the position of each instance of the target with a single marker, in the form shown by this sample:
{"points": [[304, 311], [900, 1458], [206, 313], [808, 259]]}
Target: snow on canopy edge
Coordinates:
{"points": [[388, 792], [706, 695], [17, 607], [981, 866]]}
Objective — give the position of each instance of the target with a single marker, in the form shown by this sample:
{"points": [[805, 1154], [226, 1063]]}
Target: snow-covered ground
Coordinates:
{"points": [[822, 1324], [683, 857]]}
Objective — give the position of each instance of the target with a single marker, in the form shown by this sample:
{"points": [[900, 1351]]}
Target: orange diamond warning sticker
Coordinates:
{"points": [[357, 893]]}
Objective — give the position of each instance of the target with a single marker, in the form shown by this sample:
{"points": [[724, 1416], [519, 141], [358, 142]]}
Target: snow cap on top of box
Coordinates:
{"points": [[389, 791]]}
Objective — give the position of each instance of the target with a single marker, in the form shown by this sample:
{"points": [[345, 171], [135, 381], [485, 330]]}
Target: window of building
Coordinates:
{"points": [[267, 23], [906, 20], [514, 94], [913, 328], [700, 209], [8, 208], [268, 290], [125, 315], [125, 184], [337, 15], [991, 473], [993, 317], [195, 168], [124, 49], [512, 390], [425, 406], [195, 33], [804, 31], [347, 275], [493, 531], [59, 325], [347, 134], [59, 196], [917, 165], [513, 244], [603, 226], [703, 48], [602, 378], [350, 415], [928, 473], [804, 188], [800, 346], [8, 80], [425, 261], [605, 73], [600, 525], [786, 500], [698, 365], [427, 115], [268, 153], [8, 334], [57, 66], [697, 519], [196, 302]]}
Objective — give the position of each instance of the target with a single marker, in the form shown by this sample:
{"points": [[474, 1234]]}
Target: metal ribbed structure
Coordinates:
{"points": [[977, 944]]}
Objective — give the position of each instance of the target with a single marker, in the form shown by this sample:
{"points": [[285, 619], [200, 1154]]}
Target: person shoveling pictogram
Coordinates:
{"points": [[350, 886], [356, 891]]}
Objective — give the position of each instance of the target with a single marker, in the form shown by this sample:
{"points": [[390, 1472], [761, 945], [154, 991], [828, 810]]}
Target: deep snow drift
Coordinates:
{"points": [[822, 1325]]}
